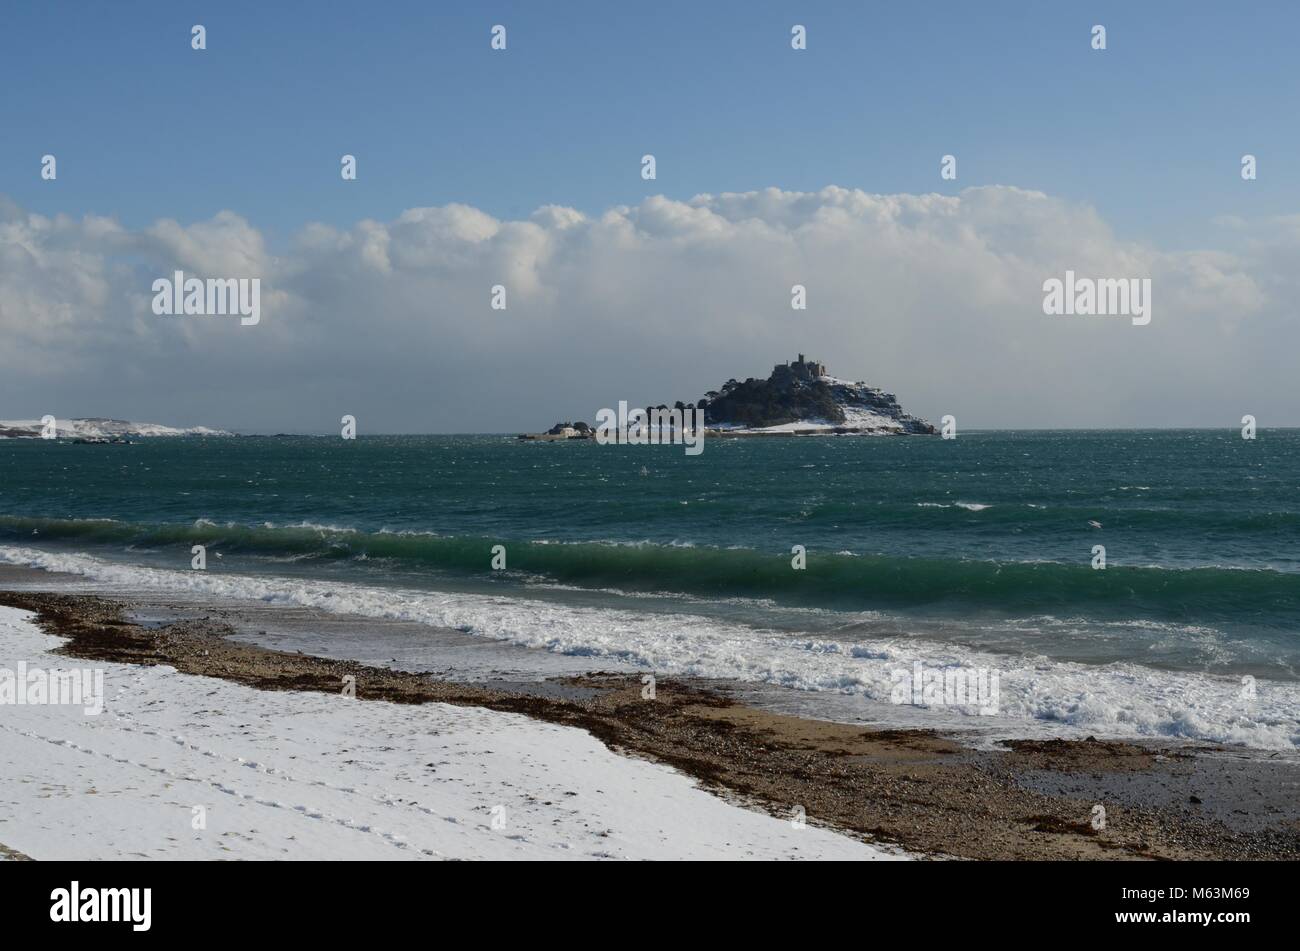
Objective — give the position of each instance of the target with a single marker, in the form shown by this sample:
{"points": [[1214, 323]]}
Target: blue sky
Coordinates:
{"points": [[1122, 163], [1150, 131]]}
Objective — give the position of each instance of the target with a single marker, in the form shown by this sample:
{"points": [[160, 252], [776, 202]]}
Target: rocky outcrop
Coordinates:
{"points": [[801, 397], [578, 430]]}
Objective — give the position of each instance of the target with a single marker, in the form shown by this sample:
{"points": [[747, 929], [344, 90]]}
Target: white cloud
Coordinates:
{"points": [[936, 298]]}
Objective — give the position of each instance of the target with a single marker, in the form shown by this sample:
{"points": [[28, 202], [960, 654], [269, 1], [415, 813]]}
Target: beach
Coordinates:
{"points": [[580, 766], [308, 775]]}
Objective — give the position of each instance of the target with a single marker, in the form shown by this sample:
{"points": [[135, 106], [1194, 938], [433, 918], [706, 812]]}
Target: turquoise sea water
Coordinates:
{"points": [[981, 544]]}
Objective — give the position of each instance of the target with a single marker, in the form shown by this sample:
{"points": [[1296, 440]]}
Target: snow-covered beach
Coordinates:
{"points": [[186, 767]]}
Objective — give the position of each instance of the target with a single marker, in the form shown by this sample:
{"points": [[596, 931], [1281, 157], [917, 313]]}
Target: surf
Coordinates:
{"points": [[841, 579], [1118, 699]]}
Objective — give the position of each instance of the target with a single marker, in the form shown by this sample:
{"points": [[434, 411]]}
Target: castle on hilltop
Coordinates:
{"points": [[799, 370]]}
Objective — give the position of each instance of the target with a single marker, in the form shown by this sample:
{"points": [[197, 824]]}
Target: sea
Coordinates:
{"points": [[1117, 583]]}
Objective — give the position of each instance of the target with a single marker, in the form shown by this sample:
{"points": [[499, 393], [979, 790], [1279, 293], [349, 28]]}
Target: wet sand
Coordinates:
{"points": [[912, 788]]}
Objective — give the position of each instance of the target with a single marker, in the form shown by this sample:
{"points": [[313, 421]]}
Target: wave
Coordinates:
{"points": [[1173, 516], [1265, 598], [1114, 700]]}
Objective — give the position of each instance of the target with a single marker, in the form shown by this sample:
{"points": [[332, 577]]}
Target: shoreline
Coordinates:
{"points": [[912, 789], [803, 663]]}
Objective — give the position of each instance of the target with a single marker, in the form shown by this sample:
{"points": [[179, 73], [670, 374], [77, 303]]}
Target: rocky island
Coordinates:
{"points": [[799, 398]]}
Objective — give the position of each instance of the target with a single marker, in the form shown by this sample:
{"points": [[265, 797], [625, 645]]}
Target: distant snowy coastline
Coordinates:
{"points": [[99, 428]]}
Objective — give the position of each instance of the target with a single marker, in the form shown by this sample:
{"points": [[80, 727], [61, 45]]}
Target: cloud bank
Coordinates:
{"points": [[935, 298]]}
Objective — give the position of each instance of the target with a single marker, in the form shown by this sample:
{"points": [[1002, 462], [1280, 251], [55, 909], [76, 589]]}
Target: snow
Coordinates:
{"points": [[803, 425], [862, 417], [102, 428], [313, 776], [855, 417]]}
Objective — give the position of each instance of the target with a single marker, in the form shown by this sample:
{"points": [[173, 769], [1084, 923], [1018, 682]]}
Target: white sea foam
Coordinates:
{"points": [[317, 527], [1114, 700]]}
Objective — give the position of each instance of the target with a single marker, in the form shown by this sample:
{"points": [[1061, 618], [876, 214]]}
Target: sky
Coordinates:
{"points": [[522, 167]]}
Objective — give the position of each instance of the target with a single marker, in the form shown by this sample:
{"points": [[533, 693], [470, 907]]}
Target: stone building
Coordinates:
{"points": [[799, 370]]}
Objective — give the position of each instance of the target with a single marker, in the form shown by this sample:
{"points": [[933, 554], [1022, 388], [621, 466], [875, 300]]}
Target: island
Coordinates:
{"points": [[798, 398]]}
